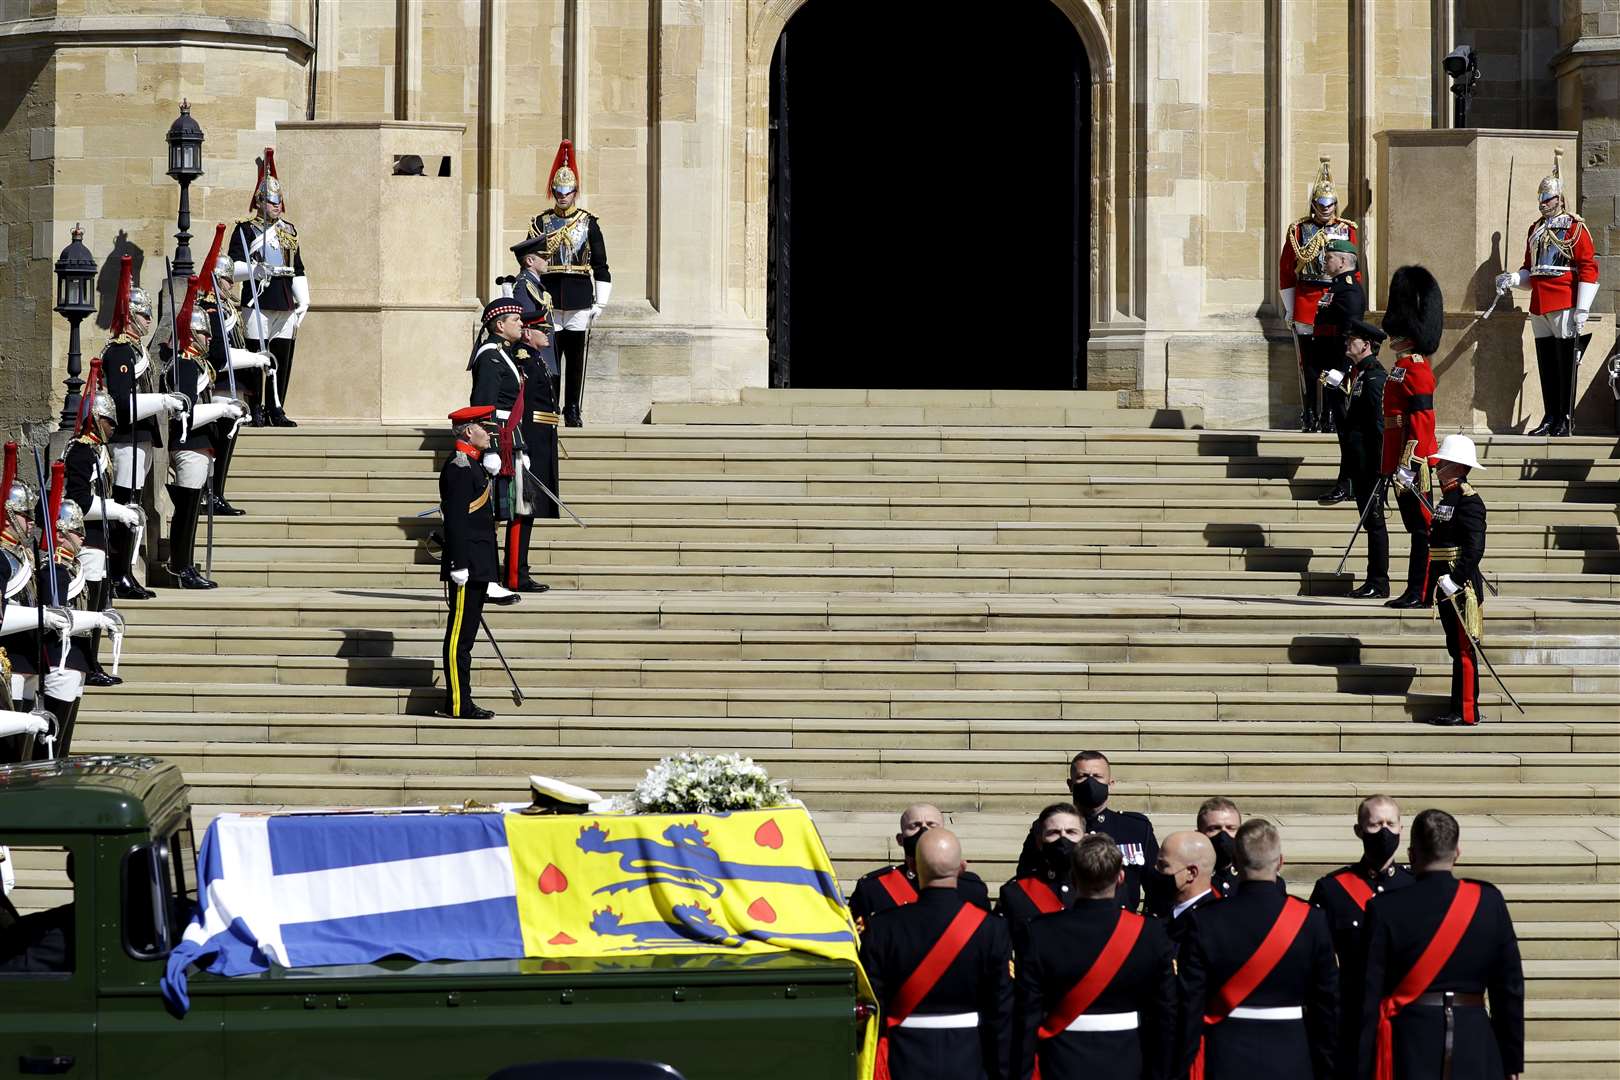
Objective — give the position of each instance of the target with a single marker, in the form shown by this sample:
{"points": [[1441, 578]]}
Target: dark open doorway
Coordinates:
{"points": [[930, 186]]}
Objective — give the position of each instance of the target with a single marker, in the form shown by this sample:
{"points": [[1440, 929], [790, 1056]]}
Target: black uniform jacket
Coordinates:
{"points": [[1346, 918], [1059, 951], [1014, 904], [275, 294], [530, 293], [1344, 300], [118, 363], [1459, 522], [1363, 431], [870, 897], [496, 378], [1399, 927], [1133, 833], [87, 475], [62, 571], [190, 369], [1179, 927], [1224, 936], [977, 981], [466, 502], [569, 284], [539, 429]]}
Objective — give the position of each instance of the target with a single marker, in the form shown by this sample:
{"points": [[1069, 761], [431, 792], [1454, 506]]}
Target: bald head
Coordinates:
{"points": [[1189, 858], [939, 858], [919, 816]]}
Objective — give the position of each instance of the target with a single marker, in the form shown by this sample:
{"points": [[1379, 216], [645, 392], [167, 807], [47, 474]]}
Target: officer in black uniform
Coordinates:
{"points": [[1042, 883], [1344, 301], [540, 430], [959, 1029], [1180, 883], [1444, 1032], [895, 886], [1218, 819], [1127, 1030], [1091, 778], [497, 381], [576, 274], [469, 562], [1286, 1027], [1456, 546], [1362, 437], [1343, 896], [530, 291]]}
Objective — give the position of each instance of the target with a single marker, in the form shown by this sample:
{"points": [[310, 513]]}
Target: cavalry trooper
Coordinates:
{"points": [[1343, 896], [1091, 779], [576, 275], [540, 422], [940, 970], [1361, 438], [896, 886], [498, 383], [1413, 319], [60, 582], [109, 527], [1434, 951], [469, 563], [226, 358], [1259, 985], [1041, 884], [1562, 273], [194, 437], [127, 372], [267, 261], [1095, 995], [1456, 546], [1303, 277], [1343, 302]]}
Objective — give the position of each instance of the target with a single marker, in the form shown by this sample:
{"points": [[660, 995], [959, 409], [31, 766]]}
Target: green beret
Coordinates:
{"points": [[1345, 246]]}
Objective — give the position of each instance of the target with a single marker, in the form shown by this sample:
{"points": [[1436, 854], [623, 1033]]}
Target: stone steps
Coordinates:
{"points": [[923, 414]]}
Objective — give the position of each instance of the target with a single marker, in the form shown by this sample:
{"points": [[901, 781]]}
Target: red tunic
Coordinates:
{"points": [[1309, 284], [1408, 411], [1552, 282]]}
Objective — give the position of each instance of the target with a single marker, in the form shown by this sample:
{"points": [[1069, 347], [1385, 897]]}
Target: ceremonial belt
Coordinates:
{"points": [[1420, 403], [1096, 979], [1416, 983], [566, 268], [941, 1021], [1277, 1012], [898, 886], [1443, 554], [1397, 419], [502, 414], [1247, 978], [1359, 890], [1041, 895], [545, 418], [926, 976]]}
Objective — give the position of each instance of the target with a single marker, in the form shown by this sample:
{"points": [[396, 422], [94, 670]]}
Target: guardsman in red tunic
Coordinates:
{"points": [[1434, 951], [1095, 997], [940, 970], [1260, 988], [1343, 897], [1414, 320], [896, 886], [1302, 279], [1562, 273]]}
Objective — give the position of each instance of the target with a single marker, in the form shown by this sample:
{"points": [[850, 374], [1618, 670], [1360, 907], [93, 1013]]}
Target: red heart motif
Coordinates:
{"points": [[768, 835], [761, 911], [562, 939], [553, 880], [555, 965]]}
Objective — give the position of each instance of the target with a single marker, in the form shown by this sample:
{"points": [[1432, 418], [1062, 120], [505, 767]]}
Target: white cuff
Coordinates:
{"points": [[241, 271], [1585, 293], [244, 358], [604, 289], [1521, 278], [300, 291], [86, 621], [1288, 304], [148, 405], [18, 619], [207, 413]]}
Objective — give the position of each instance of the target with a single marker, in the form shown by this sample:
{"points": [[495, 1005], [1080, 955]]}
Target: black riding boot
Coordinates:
{"points": [[121, 556], [183, 539], [1547, 373], [216, 491]]}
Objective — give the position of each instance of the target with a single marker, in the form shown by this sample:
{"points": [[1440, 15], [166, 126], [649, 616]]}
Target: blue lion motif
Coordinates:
{"points": [[687, 861], [694, 928]]}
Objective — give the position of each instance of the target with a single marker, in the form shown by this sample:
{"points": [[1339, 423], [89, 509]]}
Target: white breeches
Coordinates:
{"points": [[1558, 324], [268, 325], [65, 685], [137, 458], [188, 468]]}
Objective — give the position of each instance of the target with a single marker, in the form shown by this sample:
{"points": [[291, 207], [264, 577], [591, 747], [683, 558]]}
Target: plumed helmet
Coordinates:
{"points": [[267, 189], [1552, 185], [70, 518], [102, 406], [564, 170], [1415, 309], [140, 302], [1323, 192], [222, 267], [20, 499], [199, 321]]}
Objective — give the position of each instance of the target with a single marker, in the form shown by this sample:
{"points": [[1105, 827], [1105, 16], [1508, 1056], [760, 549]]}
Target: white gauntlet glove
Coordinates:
{"points": [[176, 403], [57, 620], [1333, 378], [492, 463], [1404, 478], [458, 577], [1447, 586]]}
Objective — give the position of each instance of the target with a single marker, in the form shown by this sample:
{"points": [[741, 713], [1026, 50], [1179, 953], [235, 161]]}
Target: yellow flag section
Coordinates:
{"points": [[756, 881]]}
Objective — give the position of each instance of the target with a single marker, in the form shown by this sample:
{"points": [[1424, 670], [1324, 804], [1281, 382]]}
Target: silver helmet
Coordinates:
{"points": [[20, 499], [70, 518], [200, 323], [102, 406], [223, 267], [140, 302]]}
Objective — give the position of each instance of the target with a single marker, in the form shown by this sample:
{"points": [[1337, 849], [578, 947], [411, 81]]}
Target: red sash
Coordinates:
{"points": [[1416, 983], [898, 886], [1247, 978], [1359, 890], [1041, 895], [1097, 977], [927, 976]]}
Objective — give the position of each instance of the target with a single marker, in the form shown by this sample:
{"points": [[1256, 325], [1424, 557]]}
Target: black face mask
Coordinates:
{"points": [[1377, 845], [909, 843], [1159, 890], [1056, 854], [1225, 850], [1089, 793]]}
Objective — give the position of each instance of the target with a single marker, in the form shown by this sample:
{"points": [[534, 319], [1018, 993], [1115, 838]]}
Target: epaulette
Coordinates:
{"points": [[459, 459], [1466, 488], [125, 338], [289, 225], [251, 219], [87, 439]]}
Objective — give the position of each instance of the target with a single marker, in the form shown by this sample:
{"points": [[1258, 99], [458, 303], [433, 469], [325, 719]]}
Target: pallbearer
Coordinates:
{"points": [[469, 563]]}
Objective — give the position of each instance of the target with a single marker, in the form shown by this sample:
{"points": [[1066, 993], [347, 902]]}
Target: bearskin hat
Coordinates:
{"points": [[1415, 309]]}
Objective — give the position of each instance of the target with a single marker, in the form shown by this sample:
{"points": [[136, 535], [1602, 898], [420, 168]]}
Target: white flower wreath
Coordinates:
{"points": [[694, 783]]}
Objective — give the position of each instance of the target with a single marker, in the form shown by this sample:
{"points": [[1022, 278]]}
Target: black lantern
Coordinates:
{"points": [[185, 140], [75, 273], [1462, 64]]}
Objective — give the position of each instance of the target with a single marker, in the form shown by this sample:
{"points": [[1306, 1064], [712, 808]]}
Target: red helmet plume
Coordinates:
{"points": [[126, 280], [9, 476], [565, 164], [213, 253], [58, 484], [267, 182], [91, 386], [183, 327]]}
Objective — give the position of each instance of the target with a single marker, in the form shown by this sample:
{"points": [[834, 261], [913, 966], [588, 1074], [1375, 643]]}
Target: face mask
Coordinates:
{"points": [[1377, 845], [1089, 793], [1057, 854], [909, 843], [1225, 850]]}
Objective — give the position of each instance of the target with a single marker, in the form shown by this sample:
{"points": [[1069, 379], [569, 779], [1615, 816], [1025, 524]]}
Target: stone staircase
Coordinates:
{"points": [[888, 597]]}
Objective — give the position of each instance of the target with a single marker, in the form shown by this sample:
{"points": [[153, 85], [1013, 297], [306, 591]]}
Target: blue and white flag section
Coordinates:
{"points": [[300, 891]]}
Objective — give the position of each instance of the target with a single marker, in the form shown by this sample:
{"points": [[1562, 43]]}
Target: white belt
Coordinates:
{"points": [[942, 1020], [1280, 1012], [1103, 1022], [502, 414]]}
